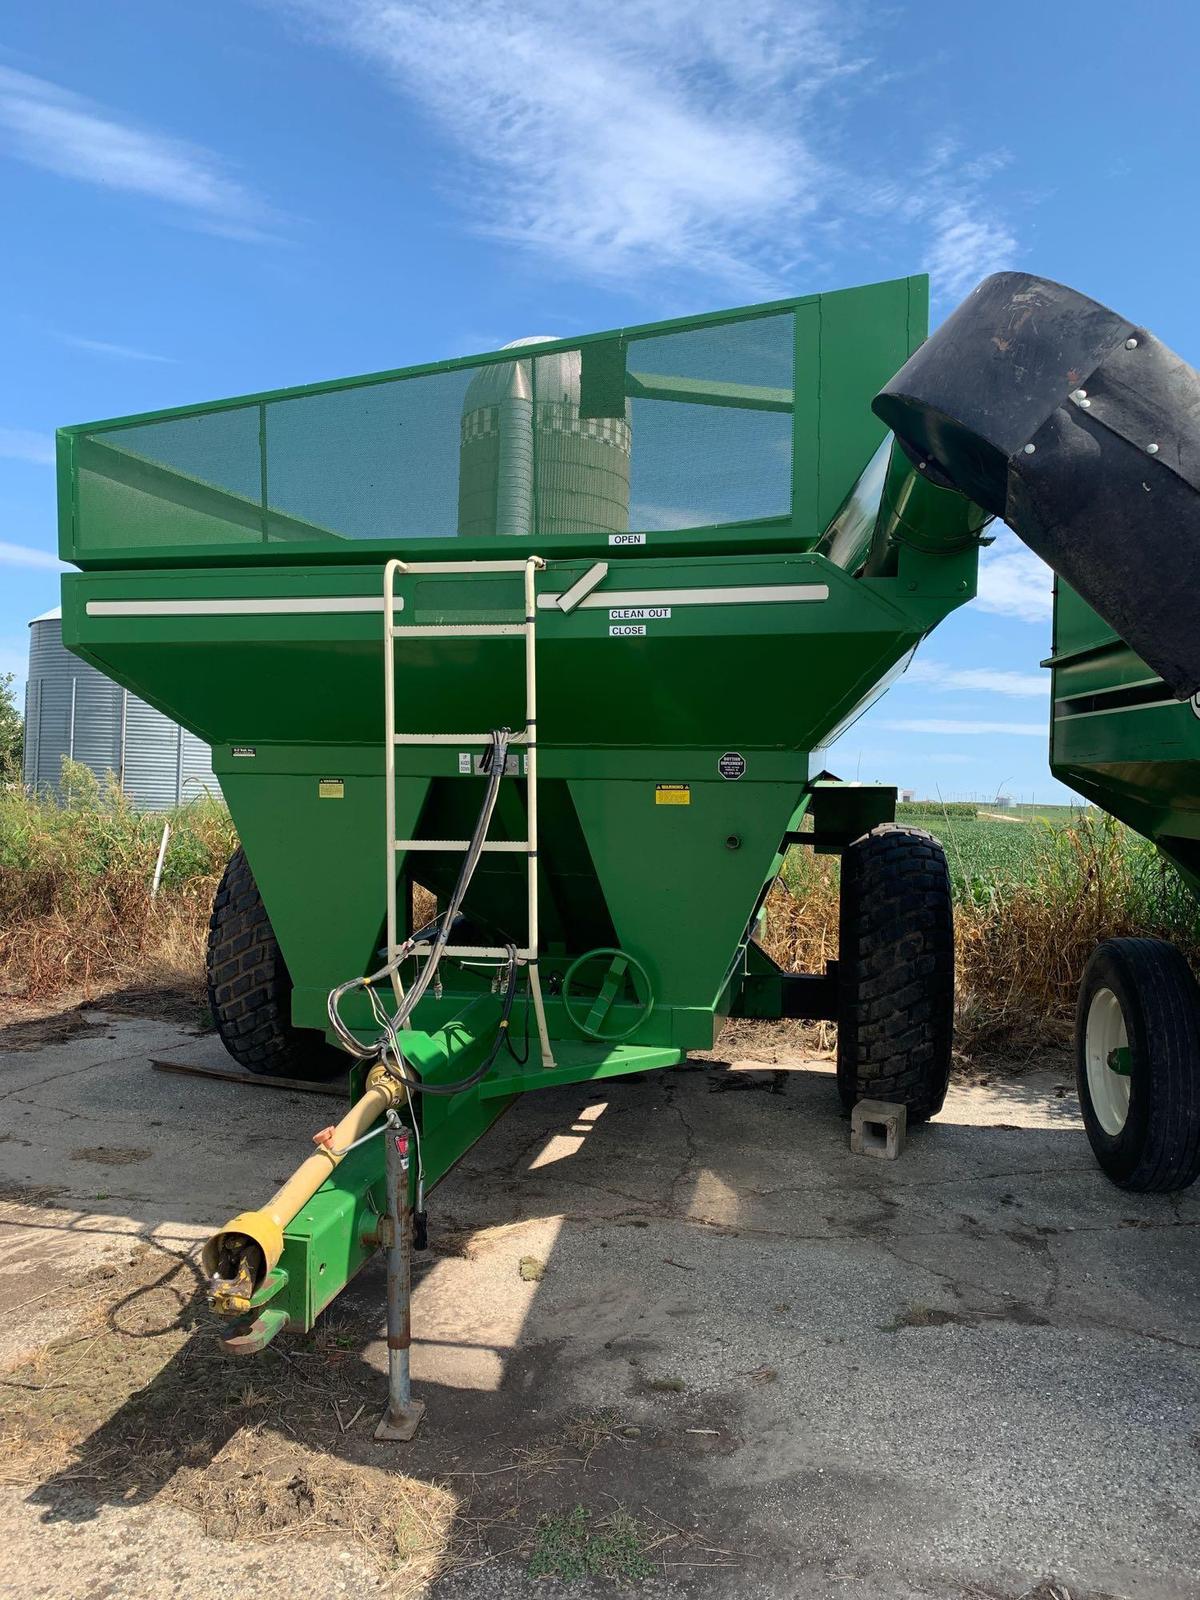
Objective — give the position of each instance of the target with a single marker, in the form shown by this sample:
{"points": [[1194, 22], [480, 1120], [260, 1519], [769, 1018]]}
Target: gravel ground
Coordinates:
{"points": [[967, 1373]]}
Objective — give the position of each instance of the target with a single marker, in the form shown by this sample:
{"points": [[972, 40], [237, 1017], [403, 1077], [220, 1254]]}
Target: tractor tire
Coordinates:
{"points": [[250, 988], [895, 971], [1141, 1109]]}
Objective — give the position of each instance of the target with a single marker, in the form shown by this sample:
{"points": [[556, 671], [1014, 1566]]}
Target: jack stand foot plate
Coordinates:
{"points": [[402, 1425]]}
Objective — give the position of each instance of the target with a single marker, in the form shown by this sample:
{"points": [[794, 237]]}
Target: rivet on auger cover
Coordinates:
{"points": [[547, 637]]}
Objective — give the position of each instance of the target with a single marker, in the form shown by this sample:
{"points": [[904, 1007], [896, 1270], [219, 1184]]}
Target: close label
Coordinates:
{"points": [[626, 630]]}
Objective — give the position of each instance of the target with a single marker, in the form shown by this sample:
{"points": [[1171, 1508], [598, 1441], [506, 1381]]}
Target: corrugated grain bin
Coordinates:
{"points": [[72, 710]]}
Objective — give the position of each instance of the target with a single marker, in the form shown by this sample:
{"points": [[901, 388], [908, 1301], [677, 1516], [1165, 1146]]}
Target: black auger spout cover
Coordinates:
{"points": [[1082, 431]]}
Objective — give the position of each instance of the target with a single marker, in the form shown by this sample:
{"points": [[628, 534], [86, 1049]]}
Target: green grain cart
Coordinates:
{"points": [[514, 668]]}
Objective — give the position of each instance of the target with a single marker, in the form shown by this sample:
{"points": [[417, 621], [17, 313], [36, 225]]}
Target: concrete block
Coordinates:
{"points": [[878, 1128]]}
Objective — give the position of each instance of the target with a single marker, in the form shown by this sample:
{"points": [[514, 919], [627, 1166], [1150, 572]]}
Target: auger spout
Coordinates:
{"points": [[1082, 431]]}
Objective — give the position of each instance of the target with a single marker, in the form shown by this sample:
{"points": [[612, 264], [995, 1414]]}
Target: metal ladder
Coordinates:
{"points": [[527, 738]]}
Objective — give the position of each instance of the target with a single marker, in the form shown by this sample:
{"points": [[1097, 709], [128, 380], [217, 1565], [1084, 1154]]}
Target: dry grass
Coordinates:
{"points": [[1023, 941], [75, 908]]}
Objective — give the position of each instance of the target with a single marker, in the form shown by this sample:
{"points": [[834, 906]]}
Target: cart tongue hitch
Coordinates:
{"points": [[1082, 431]]}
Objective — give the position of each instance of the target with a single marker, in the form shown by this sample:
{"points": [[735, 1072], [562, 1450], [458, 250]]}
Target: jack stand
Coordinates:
{"points": [[403, 1415]]}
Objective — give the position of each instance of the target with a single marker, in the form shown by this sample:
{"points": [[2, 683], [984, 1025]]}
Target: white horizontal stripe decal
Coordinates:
{"points": [[733, 595], [322, 605]]}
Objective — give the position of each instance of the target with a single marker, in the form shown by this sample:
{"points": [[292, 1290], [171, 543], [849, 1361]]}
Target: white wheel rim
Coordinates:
{"points": [[1105, 1034]]}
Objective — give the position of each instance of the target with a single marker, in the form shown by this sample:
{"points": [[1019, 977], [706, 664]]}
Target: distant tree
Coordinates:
{"points": [[11, 732]]}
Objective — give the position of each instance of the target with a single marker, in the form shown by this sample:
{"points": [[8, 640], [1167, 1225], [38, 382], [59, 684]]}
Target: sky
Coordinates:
{"points": [[202, 201]]}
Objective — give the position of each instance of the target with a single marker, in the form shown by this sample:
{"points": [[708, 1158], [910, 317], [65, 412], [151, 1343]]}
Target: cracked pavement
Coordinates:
{"points": [[956, 1374]]}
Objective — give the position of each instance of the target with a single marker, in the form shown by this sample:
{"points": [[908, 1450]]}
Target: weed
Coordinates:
{"points": [[572, 1546]]}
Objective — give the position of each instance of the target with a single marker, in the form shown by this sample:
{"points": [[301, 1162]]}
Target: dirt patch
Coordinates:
{"points": [[105, 1155], [37, 1029], [31, 1194], [139, 1402], [185, 1005], [263, 1485], [27, 1024], [928, 1317]]}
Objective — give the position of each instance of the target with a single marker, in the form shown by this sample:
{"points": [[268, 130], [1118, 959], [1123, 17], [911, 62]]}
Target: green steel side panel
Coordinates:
{"points": [[272, 678], [1120, 738], [680, 880], [319, 861], [866, 337]]}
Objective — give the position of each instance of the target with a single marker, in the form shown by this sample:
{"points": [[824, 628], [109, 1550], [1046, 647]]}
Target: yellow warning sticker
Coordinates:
{"points": [[672, 794], [331, 789]]}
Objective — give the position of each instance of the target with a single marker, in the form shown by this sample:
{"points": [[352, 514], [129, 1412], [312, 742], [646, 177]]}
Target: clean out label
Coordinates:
{"points": [[626, 630], [672, 794], [627, 538], [639, 613]]}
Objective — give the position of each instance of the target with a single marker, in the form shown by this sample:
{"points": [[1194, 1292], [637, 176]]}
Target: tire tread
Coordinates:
{"points": [[896, 971], [250, 988]]}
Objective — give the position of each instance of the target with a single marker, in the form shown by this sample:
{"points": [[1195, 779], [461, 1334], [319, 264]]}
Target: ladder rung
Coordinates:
{"points": [[421, 568], [455, 738], [513, 846], [461, 630], [499, 951]]}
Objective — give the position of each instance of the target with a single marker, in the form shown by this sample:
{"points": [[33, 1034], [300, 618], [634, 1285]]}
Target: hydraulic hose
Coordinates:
{"points": [[387, 1047], [444, 922]]}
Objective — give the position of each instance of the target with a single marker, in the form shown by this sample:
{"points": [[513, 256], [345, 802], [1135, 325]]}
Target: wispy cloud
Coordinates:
{"points": [[665, 134], [979, 680], [968, 242], [1013, 582], [967, 729], [62, 132], [102, 347], [22, 444], [24, 555]]}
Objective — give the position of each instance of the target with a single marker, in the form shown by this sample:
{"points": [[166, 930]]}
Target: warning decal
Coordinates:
{"points": [[672, 794]]}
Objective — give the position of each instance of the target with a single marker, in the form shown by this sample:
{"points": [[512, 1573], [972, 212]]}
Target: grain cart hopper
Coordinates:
{"points": [[1082, 431], [546, 638]]}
